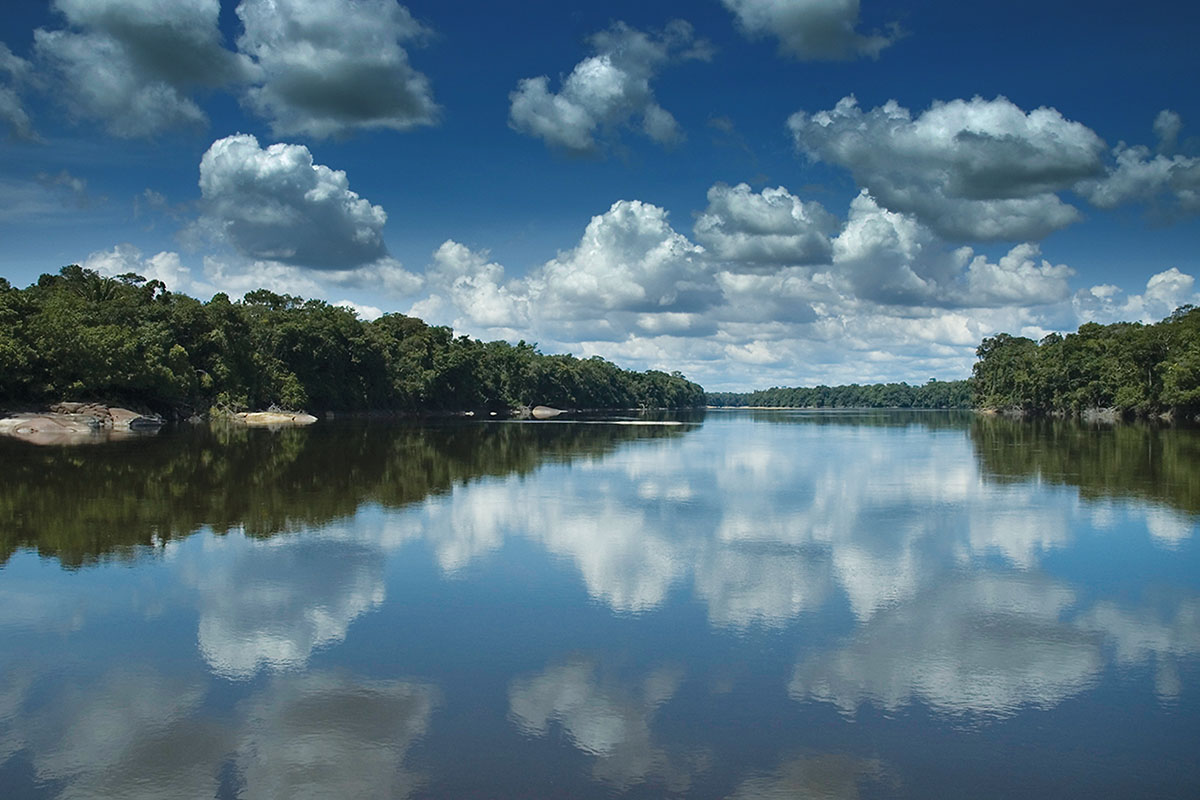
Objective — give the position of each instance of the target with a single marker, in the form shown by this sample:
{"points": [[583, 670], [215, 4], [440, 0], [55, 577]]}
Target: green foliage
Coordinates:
{"points": [[1137, 369], [79, 335], [934, 394]]}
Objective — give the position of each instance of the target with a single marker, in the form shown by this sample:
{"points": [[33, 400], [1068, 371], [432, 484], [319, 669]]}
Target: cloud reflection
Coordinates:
{"points": [[604, 718], [270, 605], [982, 644], [140, 733], [331, 735], [829, 776]]}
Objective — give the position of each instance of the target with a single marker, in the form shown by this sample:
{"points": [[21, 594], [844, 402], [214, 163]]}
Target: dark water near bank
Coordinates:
{"points": [[751, 605]]}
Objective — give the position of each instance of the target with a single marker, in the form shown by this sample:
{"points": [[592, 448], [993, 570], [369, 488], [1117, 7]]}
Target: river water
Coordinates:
{"points": [[740, 604]]}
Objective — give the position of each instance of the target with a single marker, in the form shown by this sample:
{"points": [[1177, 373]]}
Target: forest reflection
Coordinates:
{"points": [[1126, 461], [1132, 460], [81, 504]]}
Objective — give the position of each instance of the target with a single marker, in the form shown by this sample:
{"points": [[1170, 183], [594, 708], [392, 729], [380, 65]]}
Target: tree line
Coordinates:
{"points": [[80, 335], [1134, 368], [934, 394]]}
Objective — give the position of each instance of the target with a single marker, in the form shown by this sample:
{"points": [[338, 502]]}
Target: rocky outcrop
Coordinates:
{"points": [[75, 423], [273, 418]]}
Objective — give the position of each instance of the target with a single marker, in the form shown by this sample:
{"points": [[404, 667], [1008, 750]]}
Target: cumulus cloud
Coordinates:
{"points": [[331, 68], [13, 71], [125, 258], [629, 259], [476, 288], [974, 170], [1165, 292], [1167, 126], [133, 64], [363, 312], [891, 258], [605, 91], [1169, 180], [890, 300], [317, 68], [1017, 279], [275, 204], [810, 29], [771, 227], [757, 304]]}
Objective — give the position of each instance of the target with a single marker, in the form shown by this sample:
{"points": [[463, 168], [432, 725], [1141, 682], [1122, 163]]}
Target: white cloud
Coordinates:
{"points": [[976, 170], [1016, 279], [810, 29], [125, 258], [1142, 177], [1165, 292], [133, 64], [363, 312], [332, 67], [277, 205], [476, 288], [12, 112], [890, 302], [891, 258], [1167, 126], [383, 278], [235, 278], [771, 227], [629, 259], [605, 91]]}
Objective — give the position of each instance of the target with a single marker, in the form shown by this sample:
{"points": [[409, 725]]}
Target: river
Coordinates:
{"points": [[749, 604]]}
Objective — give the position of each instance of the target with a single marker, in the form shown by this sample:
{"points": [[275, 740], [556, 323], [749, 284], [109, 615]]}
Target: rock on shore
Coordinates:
{"points": [[273, 418], [74, 423]]}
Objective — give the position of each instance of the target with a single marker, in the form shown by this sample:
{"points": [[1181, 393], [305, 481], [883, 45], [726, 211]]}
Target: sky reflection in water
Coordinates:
{"points": [[762, 605]]}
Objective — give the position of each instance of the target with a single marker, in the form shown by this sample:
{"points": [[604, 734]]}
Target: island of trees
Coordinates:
{"points": [[1126, 368], [80, 335]]}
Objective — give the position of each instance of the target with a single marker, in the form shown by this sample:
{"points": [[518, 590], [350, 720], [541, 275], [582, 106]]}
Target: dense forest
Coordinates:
{"points": [[81, 336], [1134, 368], [934, 394]]}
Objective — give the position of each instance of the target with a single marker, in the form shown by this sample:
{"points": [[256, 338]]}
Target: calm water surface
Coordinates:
{"points": [[749, 604]]}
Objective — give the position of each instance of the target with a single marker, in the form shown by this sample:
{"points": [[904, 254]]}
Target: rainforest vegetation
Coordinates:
{"points": [[82, 336], [934, 394], [1134, 368]]}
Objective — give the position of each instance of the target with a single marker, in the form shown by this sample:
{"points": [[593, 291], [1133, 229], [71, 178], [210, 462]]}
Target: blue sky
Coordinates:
{"points": [[756, 192]]}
